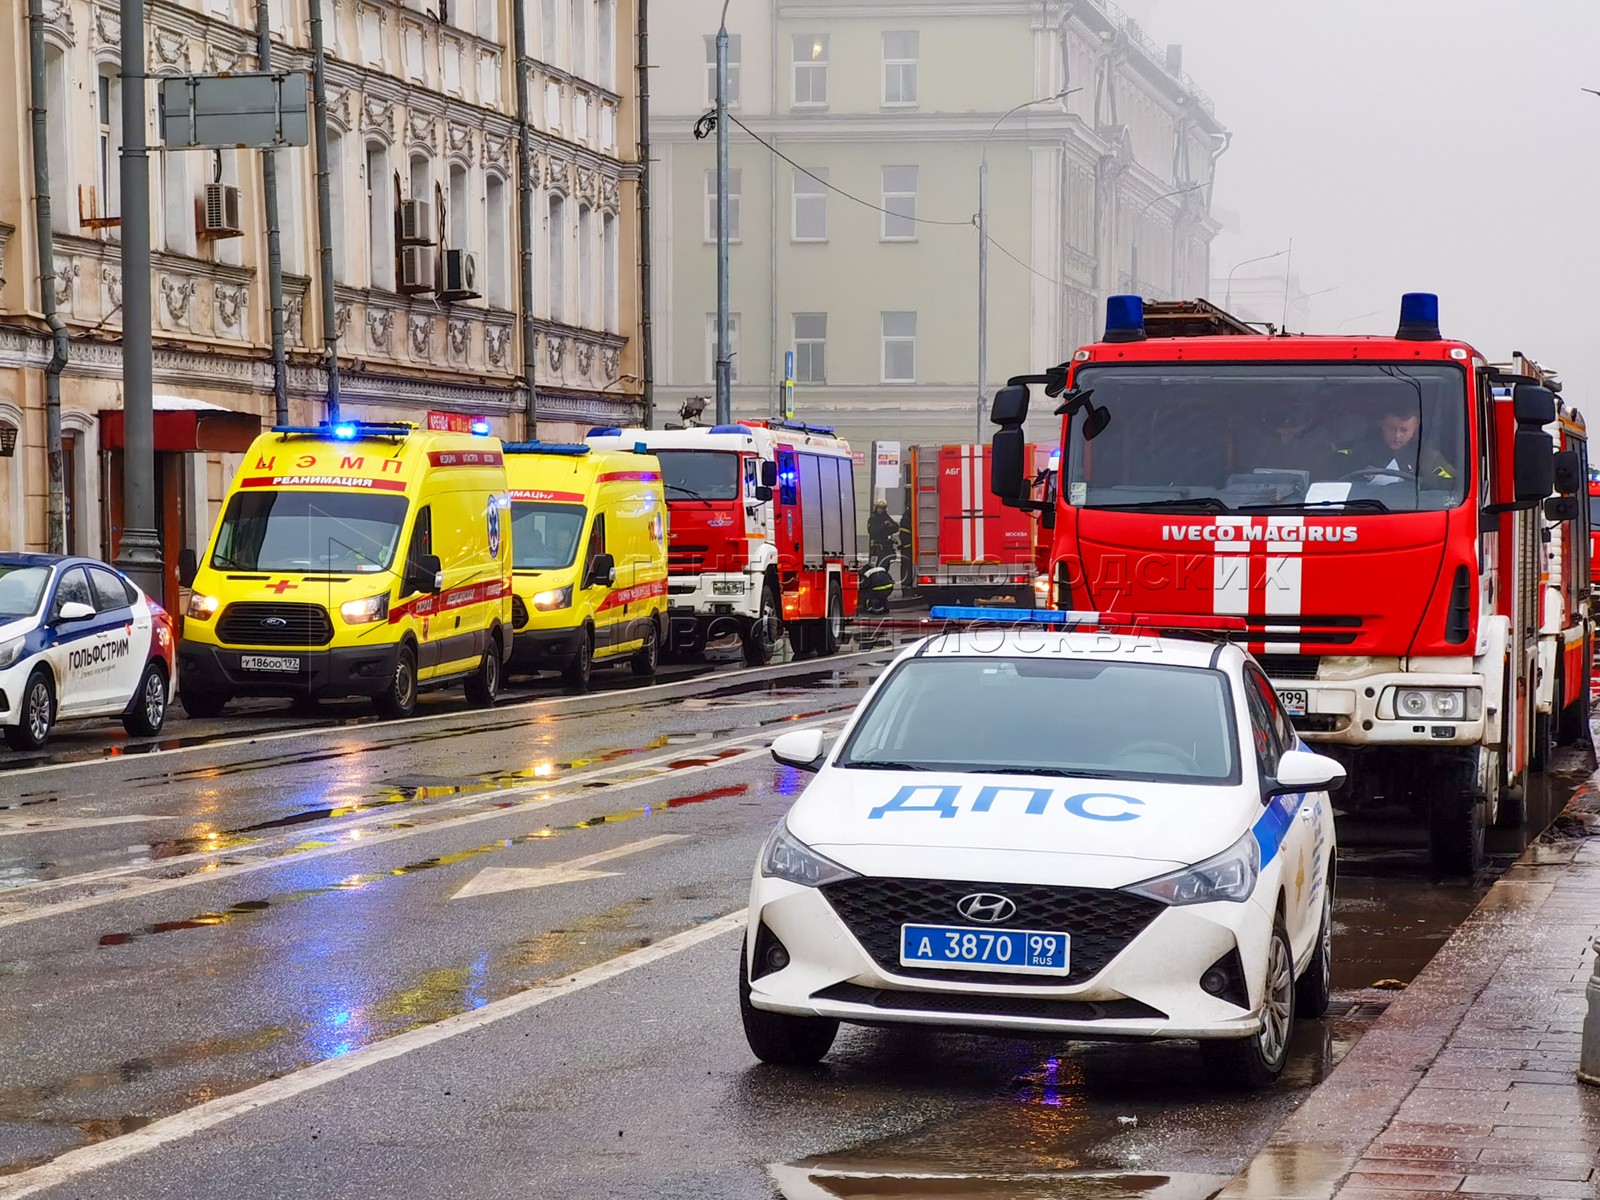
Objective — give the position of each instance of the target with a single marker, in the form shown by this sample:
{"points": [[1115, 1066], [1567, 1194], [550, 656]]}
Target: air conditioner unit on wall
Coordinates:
{"points": [[416, 223], [416, 270], [219, 212], [460, 275]]}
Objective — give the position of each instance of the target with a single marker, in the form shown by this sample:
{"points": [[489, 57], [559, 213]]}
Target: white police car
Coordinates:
{"points": [[1052, 833], [78, 639]]}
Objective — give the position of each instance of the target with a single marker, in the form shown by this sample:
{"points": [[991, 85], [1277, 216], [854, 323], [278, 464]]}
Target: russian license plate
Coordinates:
{"points": [[1023, 951], [268, 662], [727, 587], [1294, 701]]}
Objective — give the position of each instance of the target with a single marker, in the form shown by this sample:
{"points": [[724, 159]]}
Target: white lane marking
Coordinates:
{"points": [[10, 826], [76, 1163], [710, 679], [149, 887], [510, 879]]}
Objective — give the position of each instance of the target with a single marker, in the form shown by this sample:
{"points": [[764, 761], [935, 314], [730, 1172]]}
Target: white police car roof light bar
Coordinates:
{"points": [[1154, 623]]}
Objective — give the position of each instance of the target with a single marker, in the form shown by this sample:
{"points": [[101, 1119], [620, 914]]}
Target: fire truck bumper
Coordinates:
{"points": [[1388, 708], [714, 595]]}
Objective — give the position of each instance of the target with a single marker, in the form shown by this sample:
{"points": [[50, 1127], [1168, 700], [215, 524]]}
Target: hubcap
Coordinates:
{"points": [[1327, 941], [39, 712], [1278, 1004], [406, 684], [155, 700]]}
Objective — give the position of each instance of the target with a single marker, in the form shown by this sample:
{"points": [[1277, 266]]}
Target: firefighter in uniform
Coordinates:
{"points": [[882, 533], [1395, 446], [876, 588]]}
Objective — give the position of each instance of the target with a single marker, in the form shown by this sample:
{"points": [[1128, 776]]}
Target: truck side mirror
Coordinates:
{"points": [[763, 492], [1568, 472], [1532, 404], [603, 571], [1561, 508], [426, 574], [1009, 406], [1008, 478], [769, 474], [1533, 466], [188, 569]]}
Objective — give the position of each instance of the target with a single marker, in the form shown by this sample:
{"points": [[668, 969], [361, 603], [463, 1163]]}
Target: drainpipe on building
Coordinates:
{"points": [[269, 180], [45, 238], [647, 355], [530, 335], [325, 230]]}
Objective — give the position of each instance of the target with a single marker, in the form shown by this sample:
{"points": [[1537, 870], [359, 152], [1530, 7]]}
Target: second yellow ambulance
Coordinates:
{"points": [[589, 550]]}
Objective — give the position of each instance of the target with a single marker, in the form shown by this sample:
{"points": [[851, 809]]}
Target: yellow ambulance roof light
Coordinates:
{"points": [[347, 431]]}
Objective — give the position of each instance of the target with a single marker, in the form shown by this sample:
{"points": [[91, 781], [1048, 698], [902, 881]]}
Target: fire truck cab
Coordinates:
{"points": [[1374, 507]]}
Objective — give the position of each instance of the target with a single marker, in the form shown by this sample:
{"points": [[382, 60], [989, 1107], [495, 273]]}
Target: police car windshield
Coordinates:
{"points": [[544, 536], [309, 531], [700, 474], [21, 589], [1367, 437], [1050, 716]]}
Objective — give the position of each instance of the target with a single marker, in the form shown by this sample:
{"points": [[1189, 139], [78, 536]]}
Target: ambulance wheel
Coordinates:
{"points": [[1456, 820], [38, 714], [829, 631], [201, 702], [647, 658], [762, 633], [483, 686], [148, 711], [778, 1038], [578, 674], [399, 699], [1255, 1062]]}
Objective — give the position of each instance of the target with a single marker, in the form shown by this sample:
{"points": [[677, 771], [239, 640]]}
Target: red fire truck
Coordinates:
{"points": [[762, 532], [966, 545], [1369, 505]]}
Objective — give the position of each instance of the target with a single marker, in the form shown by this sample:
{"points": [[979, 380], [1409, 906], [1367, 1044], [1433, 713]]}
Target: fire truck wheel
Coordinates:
{"points": [[762, 633], [800, 643], [1574, 727], [1456, 820], [1542, 741], [1513, 809], [577, 675], [829, 631]]}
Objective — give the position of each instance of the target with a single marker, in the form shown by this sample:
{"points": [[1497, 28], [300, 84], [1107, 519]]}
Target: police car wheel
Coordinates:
{"points": [[399, 698], [1312, 990], [779, 1038], [148, 711], [1255, 1062], [647, 658], [38, 714]]}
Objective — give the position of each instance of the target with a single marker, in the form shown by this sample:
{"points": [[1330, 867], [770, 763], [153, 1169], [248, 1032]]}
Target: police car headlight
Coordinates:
{"points": [[1230, 875], [365, 612], [202, 607], [553, 599], [787, 857], [10, 651]]}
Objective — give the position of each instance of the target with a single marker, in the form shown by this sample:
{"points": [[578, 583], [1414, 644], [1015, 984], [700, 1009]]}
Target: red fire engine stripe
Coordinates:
{"points": [[465, 458], [537, 494], [630, 477], [356, 481], [632, 595]]}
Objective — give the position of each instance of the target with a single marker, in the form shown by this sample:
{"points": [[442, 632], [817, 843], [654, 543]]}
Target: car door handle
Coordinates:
{"points": [[1305, 814]]}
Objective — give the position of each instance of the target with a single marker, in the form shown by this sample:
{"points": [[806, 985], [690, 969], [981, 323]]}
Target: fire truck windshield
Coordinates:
{"points": [[700, 474], [1279, 436]]}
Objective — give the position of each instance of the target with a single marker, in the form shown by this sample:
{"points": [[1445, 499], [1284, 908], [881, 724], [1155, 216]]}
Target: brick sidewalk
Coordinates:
{"points": [[1466, 1086]]}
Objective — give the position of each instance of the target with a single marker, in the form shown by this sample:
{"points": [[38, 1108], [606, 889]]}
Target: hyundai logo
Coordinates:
{"points": [[986, 907], [273, 622]]}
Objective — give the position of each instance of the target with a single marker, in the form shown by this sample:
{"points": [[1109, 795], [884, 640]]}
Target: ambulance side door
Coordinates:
{"points": [[426, 625], [596, 589]]}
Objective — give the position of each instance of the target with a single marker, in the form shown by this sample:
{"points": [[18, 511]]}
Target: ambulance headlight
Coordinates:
{"points": [[1445, 704], [366, 611], [202, 607], [1230, 875], [554, 599], [10, 651], [787, 857]]}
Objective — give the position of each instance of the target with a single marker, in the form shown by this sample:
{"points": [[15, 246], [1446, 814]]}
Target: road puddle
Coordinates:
{"points": [[845, 1179]]}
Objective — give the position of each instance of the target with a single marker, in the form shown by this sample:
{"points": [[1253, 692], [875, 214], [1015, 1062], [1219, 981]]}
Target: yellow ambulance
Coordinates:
{"points": [[354, 559], [589, 551]]}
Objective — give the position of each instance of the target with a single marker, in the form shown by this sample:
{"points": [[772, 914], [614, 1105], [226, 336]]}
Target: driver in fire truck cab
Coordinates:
{"points": [[1394, 446]]}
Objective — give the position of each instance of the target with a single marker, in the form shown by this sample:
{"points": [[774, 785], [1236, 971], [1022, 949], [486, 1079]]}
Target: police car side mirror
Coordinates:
{"points": [[763, 492], [74, 610], [801, 748], [187, 568], [1303, 771]]}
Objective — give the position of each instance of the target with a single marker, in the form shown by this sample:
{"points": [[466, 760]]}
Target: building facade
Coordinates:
{"points": [[423, 179], [858, 136]]}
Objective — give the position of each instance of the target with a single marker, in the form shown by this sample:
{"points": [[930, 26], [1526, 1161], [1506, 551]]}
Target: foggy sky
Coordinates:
{"points": [[1413, 145]]}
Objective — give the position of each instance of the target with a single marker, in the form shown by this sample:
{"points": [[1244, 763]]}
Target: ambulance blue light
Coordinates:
{"points": [[345, 433], [1125, 319], [730, 429], [1419, 317], [569, 449], [604, 431], [481, 428]]}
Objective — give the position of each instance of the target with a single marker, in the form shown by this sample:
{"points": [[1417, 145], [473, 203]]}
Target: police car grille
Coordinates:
{"points": [[519, 612], [1101, 922], [275, 624], [982, 1005]]}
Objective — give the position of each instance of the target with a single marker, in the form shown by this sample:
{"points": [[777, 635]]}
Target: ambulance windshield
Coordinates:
{"points": [[1238, 437], [309, 531], [545, 536], [21, 589], [699, 474]]}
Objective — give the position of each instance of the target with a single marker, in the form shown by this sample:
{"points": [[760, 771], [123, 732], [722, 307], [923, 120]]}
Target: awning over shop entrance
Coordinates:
{"points": [[183, 425]]}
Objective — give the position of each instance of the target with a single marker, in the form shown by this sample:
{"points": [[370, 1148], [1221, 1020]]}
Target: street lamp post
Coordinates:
{"points": [[1137, 221], [1227, 297], [983, 250], [724, 378]]}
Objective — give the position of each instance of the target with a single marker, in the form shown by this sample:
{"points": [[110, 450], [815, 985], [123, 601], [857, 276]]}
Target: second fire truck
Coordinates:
{"points": [[1379, 510]]}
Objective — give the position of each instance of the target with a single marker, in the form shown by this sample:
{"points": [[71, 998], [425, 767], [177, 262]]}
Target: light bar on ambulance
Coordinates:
{"points": [[1148, 622], [348, 431], [565, 448]]}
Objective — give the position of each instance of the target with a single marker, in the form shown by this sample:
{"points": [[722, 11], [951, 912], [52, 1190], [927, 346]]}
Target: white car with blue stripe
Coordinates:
{"points": [[79, 639], [1078, 829]]}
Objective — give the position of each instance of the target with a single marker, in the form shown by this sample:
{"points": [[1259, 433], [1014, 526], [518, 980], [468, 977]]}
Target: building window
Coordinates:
{"points": [[460, 214], [291, 199], [369, 30], [178, 198], [489, 20], [411, 37], [548, 41], [421, 178], [580, 39], [586, 295], [336, 206], [733, 69], [497, 259], [380, 218], [811, 205], [557, 258], [900, 204], [811, 347], [552, 105], [711, 347], [735, 183], [63, 217], [108, 108], [607, 73], [899, 347], [612, 267], [810, 70], [900, 68]]}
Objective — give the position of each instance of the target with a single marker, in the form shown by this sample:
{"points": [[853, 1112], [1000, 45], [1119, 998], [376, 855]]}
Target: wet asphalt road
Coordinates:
{"points": [[276, 910]]}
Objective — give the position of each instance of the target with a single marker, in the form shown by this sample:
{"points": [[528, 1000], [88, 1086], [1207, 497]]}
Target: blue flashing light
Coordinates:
{"points": [[346, 433], [641, 447], [730, 429], [604, 431], [802, 427], [481, 428], [1125, 319], [567, 449], [1419, 317]]}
